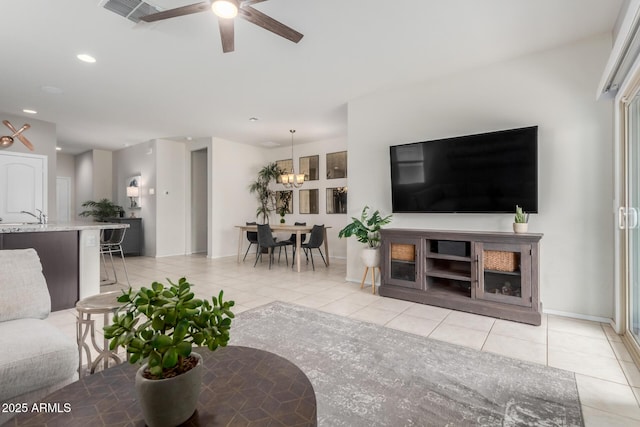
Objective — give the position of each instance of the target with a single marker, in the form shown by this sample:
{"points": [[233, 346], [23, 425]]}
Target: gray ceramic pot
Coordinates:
{"points": [[172, 401]]}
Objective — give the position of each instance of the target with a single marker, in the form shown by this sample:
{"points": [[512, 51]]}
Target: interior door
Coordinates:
{"points": [[23, 186]]}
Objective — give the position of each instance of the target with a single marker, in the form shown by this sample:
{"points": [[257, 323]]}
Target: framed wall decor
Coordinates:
{"points": [[337, 200], [286, 165], [337, 165], [309, 166], [308, 201], [284, 202]]}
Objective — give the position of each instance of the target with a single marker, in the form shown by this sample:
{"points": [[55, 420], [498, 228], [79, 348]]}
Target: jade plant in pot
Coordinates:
{"points": [[159, 326], [366, 229], [520, 221]]}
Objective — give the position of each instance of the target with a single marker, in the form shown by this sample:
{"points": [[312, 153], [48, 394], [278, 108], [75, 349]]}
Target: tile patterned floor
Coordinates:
{"points": [[608, 381]]}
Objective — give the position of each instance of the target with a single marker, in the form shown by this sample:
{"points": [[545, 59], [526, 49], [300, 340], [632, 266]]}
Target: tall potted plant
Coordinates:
{"points": [[101, 210], [159, 326], [366, 229], [265, 195]]}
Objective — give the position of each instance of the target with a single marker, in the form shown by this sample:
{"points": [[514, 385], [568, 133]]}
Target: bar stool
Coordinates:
{"points": [[110, 245], [105, 304]]}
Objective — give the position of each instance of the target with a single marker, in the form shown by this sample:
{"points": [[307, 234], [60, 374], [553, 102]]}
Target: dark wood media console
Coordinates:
{"points": [[489, 273]]}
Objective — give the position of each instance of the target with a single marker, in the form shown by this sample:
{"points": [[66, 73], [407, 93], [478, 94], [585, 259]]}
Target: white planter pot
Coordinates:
{"points": [[171, 401], [520, 227], [371, 257]]}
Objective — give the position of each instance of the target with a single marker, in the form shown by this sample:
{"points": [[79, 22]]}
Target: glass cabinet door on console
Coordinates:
{"points": [[401, 262], [504, 273]]}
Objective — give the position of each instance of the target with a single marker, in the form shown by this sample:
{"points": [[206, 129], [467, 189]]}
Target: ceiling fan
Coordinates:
{"points": [[6, 141], [226, 10]]}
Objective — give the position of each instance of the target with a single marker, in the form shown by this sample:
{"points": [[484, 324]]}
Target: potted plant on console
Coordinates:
{"points": [[521, 221], [101, 210], [367, 230], [159, 326]]}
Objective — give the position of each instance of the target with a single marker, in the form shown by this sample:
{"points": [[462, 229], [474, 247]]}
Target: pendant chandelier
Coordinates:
{"points": [[291, 179]]}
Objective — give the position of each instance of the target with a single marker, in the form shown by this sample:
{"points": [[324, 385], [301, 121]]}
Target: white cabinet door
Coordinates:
{"points": [[23, 186]]}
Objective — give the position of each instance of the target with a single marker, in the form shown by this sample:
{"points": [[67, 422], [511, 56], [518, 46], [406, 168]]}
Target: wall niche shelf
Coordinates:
{"points": [[488, 273]]}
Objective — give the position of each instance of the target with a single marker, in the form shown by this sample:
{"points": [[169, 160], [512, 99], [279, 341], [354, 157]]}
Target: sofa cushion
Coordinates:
{"points": [[23, 289], [35, 354]]}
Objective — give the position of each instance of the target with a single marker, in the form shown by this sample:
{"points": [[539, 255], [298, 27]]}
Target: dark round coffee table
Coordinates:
{"points": [[241, 386]]}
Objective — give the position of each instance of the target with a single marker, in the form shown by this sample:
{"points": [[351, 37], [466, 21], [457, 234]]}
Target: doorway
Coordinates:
{"points": [[199, 201], [63, 198], [628, 221]]}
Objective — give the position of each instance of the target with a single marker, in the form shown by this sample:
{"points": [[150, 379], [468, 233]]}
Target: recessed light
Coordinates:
{"points": [[253, 119], [86, 58], [58, 148], [26, 110]]}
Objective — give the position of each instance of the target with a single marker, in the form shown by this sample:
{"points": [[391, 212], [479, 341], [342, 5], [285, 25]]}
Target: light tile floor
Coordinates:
{"points": [[608, 381]]}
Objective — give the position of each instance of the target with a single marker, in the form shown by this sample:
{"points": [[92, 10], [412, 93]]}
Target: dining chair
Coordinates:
{"points": [[292, 239], [266, 240], [252, 237], [111, 243], [315, 241]]}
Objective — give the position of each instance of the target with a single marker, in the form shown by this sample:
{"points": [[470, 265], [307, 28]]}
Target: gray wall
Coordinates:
{"points": [[554, 90]]}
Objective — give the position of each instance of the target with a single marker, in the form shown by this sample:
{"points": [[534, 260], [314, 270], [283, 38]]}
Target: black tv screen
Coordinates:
{"points": [[484, 173]]}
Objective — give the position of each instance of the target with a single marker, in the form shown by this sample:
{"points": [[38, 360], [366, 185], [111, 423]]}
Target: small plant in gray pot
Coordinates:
{"points": [[159, 326], [366, 229], [520, 221]]}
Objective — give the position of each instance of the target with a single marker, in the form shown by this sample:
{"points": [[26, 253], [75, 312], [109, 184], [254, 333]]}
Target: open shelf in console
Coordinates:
{"points": [[454, 270]]}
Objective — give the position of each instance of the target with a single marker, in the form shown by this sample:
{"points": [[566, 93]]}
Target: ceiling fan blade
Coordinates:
{"points": [[178, 11], [260, 19], [226, 34], [250, 2], [25, 141]]}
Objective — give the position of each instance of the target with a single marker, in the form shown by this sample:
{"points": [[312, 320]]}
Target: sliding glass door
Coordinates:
{"points": [[629, 218]]}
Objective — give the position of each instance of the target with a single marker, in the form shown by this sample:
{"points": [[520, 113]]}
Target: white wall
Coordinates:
{"points": [[44, 139], [233, 168], [66, 164], [84, 179], [337, 247], [93, 177], [171, 189], [554, 90], [133, 161]]}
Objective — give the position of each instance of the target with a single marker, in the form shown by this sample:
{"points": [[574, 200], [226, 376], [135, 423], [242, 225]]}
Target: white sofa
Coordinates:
{"points": [[36, 358]]}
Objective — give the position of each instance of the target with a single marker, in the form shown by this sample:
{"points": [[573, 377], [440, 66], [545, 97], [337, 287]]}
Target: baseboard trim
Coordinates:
{"points": [[579, 316]]}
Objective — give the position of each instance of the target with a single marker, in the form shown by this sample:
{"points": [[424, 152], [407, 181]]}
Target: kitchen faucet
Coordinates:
{"points": [[41, 217]]}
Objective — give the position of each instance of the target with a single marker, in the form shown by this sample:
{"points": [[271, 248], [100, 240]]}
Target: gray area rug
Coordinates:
{"points": [[368, 375]]}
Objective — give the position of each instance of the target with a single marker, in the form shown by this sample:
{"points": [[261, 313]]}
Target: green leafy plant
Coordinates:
{"points": [[101, 210], [284, 198], [521, 216], [266, 197], [161, 325], [366, 229]]}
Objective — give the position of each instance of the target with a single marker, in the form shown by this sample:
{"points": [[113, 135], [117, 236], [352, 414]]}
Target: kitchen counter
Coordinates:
{"points": [[69, 253], [12, 227]]}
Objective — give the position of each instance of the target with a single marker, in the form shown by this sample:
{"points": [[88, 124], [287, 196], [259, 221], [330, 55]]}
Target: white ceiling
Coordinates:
{"points": [[171, 80]]}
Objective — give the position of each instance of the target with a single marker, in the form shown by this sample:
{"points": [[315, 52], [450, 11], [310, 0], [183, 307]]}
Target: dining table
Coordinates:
{"points": [[297, 229]]}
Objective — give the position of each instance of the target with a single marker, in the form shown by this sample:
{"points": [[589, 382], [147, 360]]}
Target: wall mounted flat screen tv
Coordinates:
{"points": [[484, 173]]}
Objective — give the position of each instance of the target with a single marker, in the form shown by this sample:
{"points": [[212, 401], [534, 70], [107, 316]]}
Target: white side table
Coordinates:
{"points": [[105, 304]]}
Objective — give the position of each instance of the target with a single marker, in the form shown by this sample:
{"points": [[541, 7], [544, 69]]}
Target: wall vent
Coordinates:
{"points": [[133, 10]]}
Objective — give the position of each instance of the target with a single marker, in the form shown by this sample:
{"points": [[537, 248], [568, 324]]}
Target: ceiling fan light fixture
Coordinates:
{"points": [[226, 9]]}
